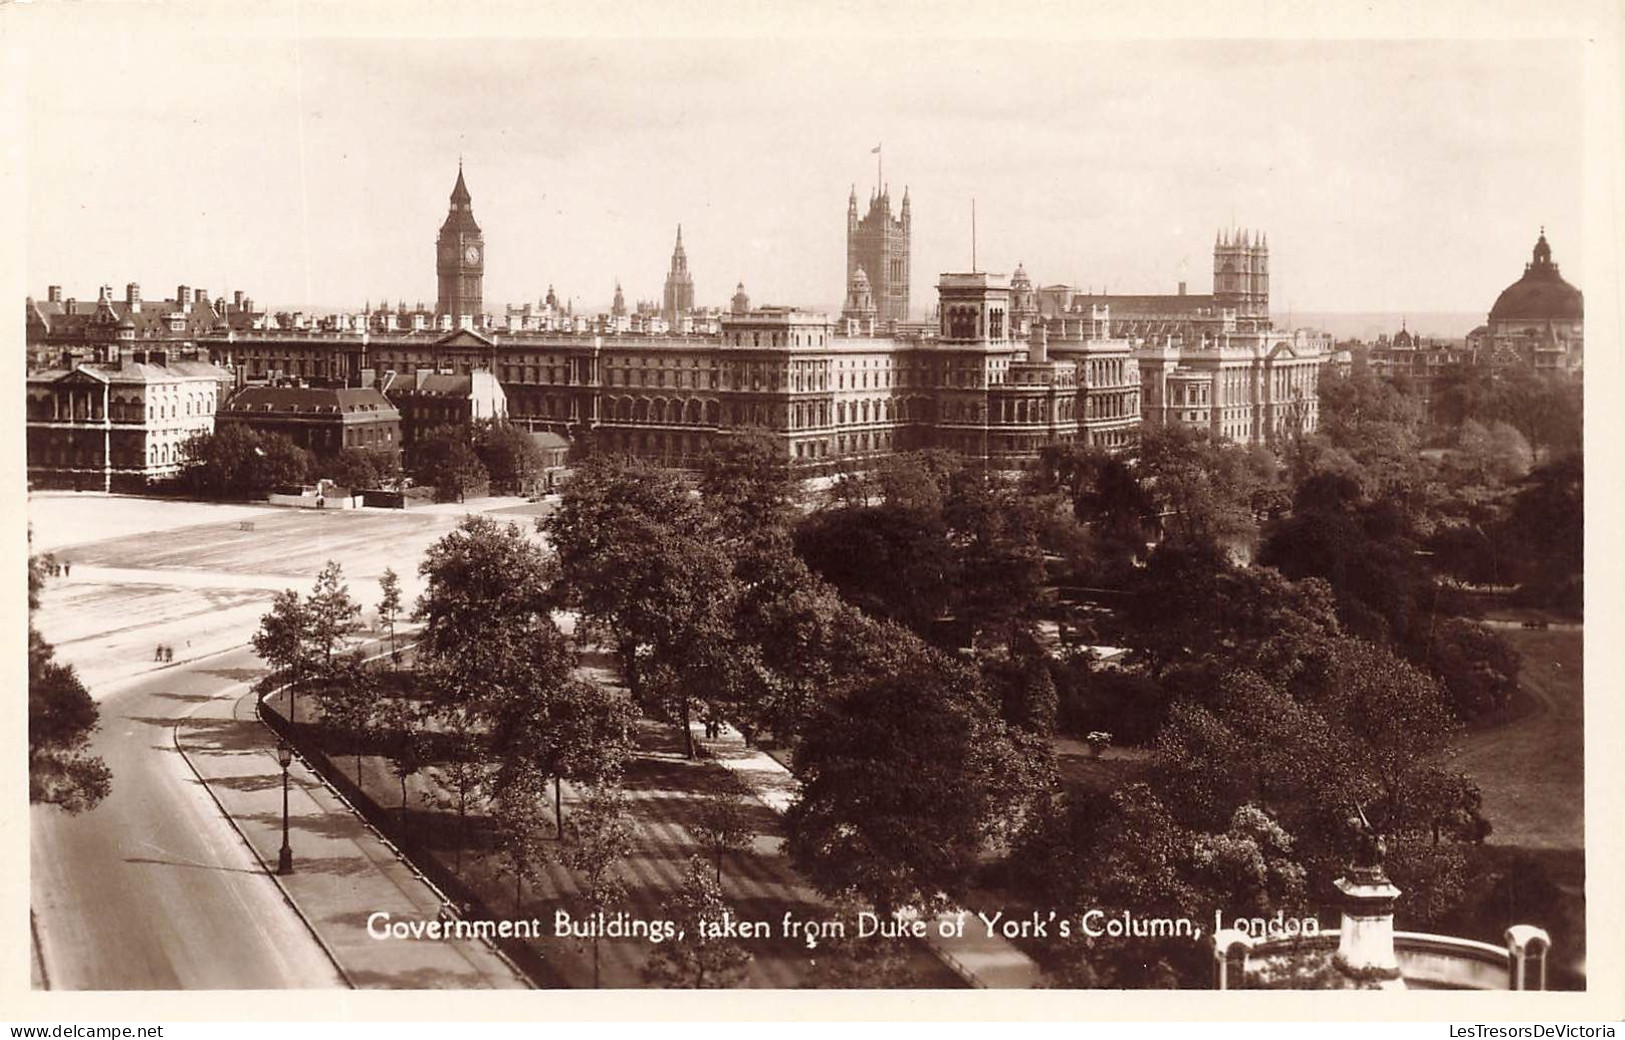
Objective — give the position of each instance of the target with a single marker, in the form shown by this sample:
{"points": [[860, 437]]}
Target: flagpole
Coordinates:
{"points": [[973, 236], [880, 169]]}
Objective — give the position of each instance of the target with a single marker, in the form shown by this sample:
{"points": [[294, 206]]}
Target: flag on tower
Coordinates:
{"points": [[875, 150]]}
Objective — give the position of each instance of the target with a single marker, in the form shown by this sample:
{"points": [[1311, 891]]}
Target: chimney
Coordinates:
{"points": [[237, 300], [183, 296], [200, 296], [1182, 288], [132, 296], [104, 294], [53, 293], [1038, 343]]}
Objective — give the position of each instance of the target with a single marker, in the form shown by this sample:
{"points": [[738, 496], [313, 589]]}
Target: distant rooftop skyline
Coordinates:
{"points": [[1389, 176]]}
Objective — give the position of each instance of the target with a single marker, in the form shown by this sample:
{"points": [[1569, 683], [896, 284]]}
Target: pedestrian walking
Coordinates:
{"points": [[158, 654], [67, 569], [169, 654]]}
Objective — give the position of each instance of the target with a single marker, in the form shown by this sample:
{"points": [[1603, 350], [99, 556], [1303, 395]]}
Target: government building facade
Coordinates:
{"points": [[1003, 371]]}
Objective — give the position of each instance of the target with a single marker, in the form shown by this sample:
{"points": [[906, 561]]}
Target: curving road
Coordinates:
{"points": [[154, 889]]}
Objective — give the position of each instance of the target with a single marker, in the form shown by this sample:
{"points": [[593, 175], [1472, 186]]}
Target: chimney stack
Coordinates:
{"points": [[53, 293], [237, 300], [200, 296], [1182, 288], [132, 296], [183, 296]]}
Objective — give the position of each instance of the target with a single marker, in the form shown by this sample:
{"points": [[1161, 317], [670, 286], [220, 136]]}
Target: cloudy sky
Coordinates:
{"points": [[1391, 176]]}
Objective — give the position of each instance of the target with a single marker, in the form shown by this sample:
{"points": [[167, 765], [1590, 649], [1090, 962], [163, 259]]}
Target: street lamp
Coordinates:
{"points": [[284, 860]]}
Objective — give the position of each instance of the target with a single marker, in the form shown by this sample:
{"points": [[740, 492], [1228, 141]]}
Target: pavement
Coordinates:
{"points": [[154, 889], [980, 960], [344, 872]]}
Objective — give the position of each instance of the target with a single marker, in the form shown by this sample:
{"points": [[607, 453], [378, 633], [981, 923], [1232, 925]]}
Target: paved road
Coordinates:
{"points": [[153, 889]]}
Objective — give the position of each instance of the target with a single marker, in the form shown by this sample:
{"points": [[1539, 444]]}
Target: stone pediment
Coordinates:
{"points": [[82, 377], [466, 339]]}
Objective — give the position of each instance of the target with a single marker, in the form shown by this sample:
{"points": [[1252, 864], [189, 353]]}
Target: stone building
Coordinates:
{"points": [[1537, 322], [678, 297], [460, 259], [427, 399], [119, 424], [878, 243], [322, 420], [61, 331], [1241, 292]]}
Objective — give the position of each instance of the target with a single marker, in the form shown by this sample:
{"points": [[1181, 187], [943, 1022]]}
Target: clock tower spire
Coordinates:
{"points": [[460, 258]]}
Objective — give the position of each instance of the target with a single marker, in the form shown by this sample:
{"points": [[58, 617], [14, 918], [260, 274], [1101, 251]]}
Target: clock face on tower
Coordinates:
{"points": [[471, 254]]}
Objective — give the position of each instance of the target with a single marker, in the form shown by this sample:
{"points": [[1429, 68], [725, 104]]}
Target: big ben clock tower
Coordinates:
{"points": [[460, 257]]}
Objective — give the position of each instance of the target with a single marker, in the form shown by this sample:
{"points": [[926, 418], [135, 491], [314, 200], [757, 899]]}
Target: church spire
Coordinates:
{"points": [[459, 194]]}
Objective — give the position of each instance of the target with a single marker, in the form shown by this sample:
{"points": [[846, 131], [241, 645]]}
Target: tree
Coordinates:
{"points": [[514, 461], [235, 461], [1203, 489], [747, 484], [61, 718], [361, 468], [389, 602], [399, 730], [638, 556], [464, 777], [603, 838], [444, 458], [485, 609], [284, 642], [845, 961], [349, 699], [1546, 528], [904, 777], [696, 959], [332, 615], [723, 823], [519, 819]]}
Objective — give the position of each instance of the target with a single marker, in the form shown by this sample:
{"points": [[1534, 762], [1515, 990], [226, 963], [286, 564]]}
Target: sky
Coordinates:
{"points": [[1390, 175]]}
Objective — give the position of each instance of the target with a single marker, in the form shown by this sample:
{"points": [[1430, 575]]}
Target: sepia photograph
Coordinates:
{"points": [[535, 509]]}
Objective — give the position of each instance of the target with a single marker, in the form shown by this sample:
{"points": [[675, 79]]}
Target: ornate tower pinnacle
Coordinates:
{"points": [[460, 257]]}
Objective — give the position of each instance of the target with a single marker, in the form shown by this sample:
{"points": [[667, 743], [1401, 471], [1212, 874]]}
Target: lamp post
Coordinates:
{"points": [[284, 860]]}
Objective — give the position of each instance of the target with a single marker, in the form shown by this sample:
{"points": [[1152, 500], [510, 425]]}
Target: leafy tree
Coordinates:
{"points": [[444, 458], [389, 602], [349, 699], [332, 615], [638, 557], [723, 824], [519, 820], [747, 484], [463, 778], [1546, 527], [893, 561], [514, 461], [1193, 607], [1202, 488], [998, 534], [1494, 454], [697, 961], [845, 961], [399, 730], [61, 718], [235, 461], [904, 777], [602, 835], [1025, 689], [485, 609], [283, 641], [361, 468]]}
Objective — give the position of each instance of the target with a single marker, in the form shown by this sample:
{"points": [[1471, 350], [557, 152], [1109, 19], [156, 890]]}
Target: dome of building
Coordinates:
{"points": [[860, 280], [1541, 294], [1019, 280]]}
